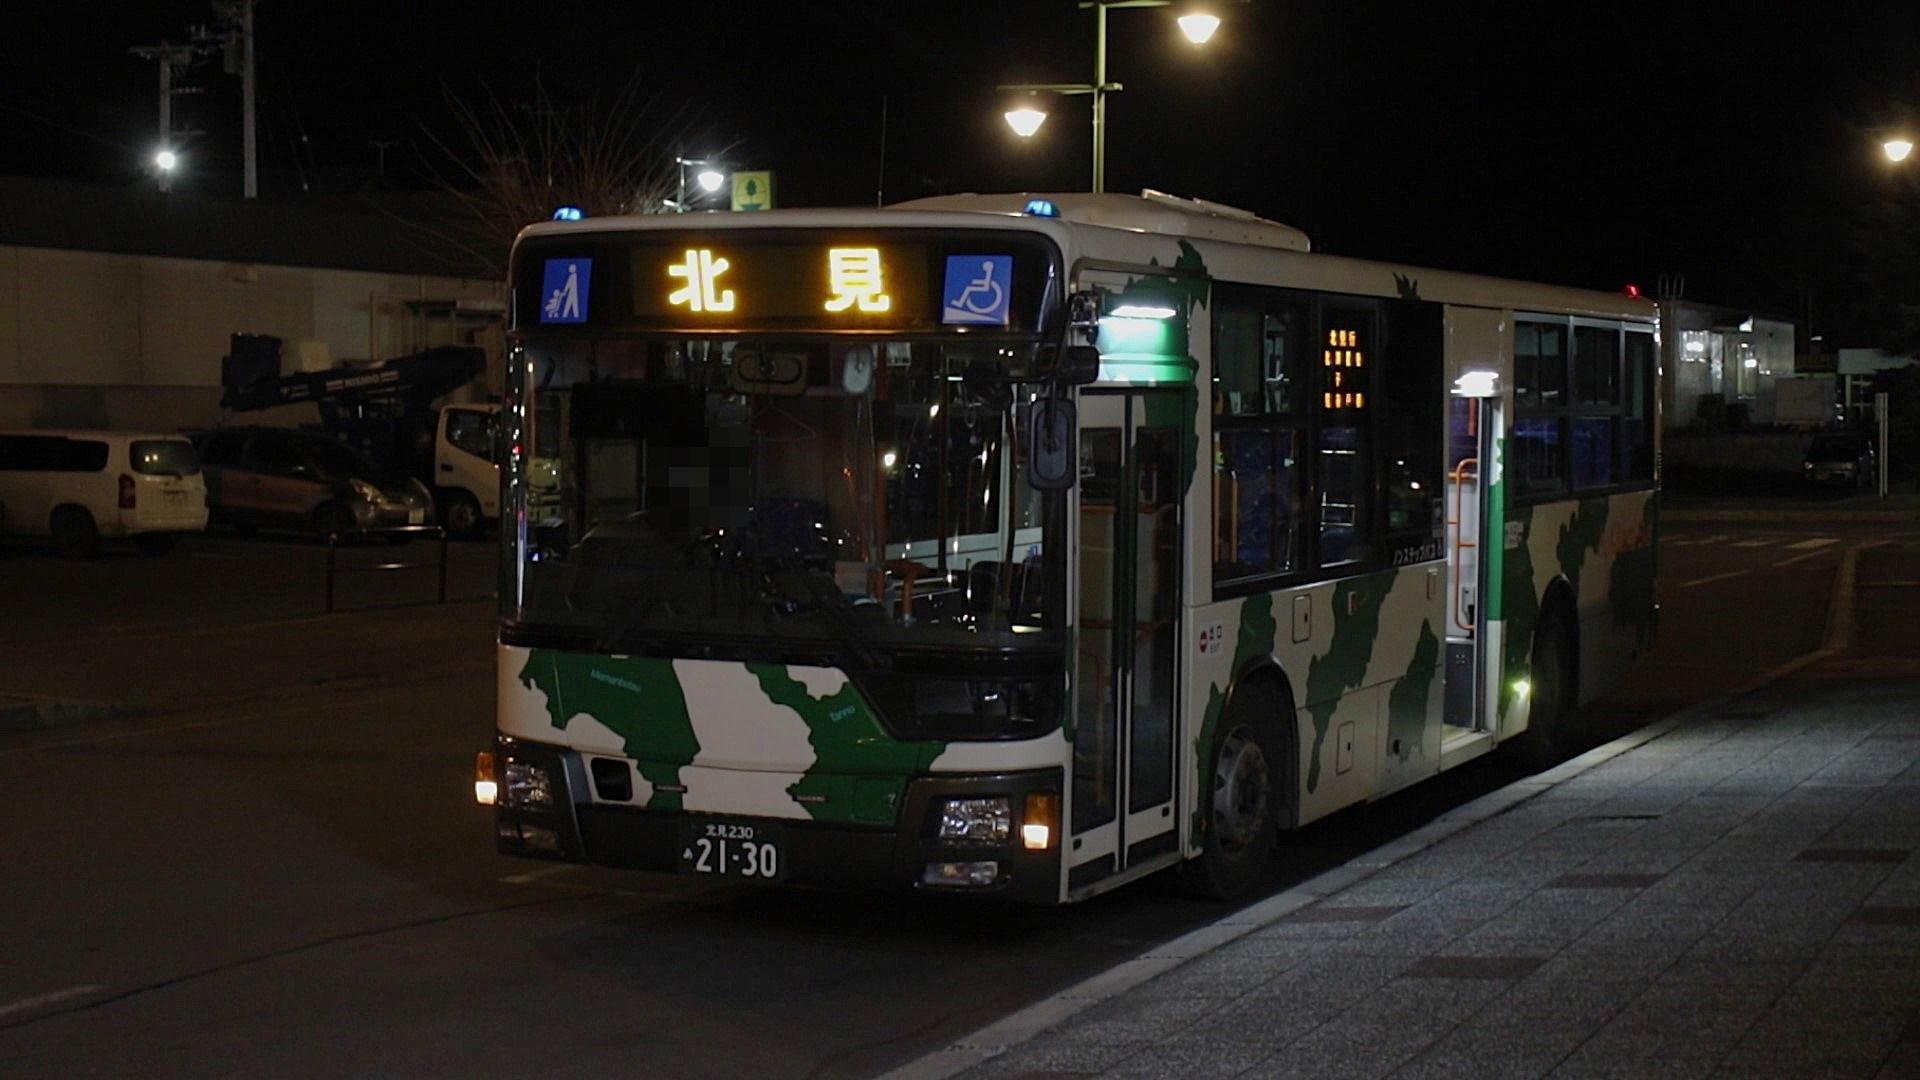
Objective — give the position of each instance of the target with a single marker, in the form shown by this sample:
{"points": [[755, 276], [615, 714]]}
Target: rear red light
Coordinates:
{"points": [[126, 492]]}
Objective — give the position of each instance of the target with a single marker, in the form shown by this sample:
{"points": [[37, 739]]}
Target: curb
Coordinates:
{"points": [[1011, 1031]]}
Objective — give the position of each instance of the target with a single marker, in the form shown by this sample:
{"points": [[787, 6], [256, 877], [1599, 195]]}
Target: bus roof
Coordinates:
{"points": [[1236, 245]]}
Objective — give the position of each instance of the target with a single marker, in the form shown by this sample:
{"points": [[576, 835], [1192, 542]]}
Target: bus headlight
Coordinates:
{"points": [[988, 820], [527, 787]]}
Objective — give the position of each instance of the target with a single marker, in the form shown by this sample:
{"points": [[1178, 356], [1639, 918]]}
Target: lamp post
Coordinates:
{"points": [[1198, 24], [707, 176]]}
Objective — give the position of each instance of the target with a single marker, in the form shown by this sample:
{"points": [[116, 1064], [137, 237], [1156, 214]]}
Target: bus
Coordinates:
{"points": [[1026, 546]]}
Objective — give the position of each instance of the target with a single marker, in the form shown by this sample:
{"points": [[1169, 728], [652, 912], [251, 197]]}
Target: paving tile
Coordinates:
{"points": [[1471, 1053], [1855, 855], [1196, 1058], [1325, 912], [1474, 967]]}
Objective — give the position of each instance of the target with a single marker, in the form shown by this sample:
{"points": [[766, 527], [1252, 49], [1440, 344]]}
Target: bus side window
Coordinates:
{"points": [[1261, 348], [1344, 458]]}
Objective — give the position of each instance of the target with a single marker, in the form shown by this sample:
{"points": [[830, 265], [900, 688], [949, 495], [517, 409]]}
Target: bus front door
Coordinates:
{"points": [[1127, 632]]}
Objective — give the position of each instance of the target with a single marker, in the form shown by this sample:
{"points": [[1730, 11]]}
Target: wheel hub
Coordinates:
{"points": [[1240, 791]]}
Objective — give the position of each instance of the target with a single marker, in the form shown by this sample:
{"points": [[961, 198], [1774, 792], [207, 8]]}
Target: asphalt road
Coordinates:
{"points": [[272, 876]]}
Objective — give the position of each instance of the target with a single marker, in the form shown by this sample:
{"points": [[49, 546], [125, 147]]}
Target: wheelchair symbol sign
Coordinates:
{"points": [[978, 290]]}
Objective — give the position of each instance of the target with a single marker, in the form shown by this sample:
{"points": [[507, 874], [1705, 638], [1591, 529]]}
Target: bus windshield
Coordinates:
{"points": [[697, 496]]}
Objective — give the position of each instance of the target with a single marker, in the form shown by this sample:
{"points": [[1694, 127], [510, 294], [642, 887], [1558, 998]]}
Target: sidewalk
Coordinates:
{"points": [[1734, 891]]}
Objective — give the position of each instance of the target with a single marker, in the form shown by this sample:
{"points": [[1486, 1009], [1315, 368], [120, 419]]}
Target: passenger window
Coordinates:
{"points": [[1636, 422], [1344, 466], [1535, 456], [1260, 347], [1596, 365], [273, 456], [471, 431], [1257, 480], [1539, 366]]}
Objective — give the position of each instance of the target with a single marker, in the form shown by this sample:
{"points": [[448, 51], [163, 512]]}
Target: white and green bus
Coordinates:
{"points": [[1024, 546]]}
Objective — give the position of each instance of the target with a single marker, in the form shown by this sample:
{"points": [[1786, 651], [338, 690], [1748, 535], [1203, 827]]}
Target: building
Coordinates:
{"points": [[116, 304], [1722, 365]]}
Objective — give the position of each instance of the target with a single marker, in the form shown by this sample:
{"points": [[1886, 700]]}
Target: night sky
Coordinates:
{"points": [[1734, 144]]}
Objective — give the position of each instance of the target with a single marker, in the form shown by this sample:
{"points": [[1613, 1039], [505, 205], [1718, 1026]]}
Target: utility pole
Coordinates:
{"points": [[233, 36], [169, 56]]}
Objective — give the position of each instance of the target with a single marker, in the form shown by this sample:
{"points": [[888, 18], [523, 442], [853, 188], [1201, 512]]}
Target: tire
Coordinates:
{"points": [[74, 533], [334, 519], [156, 544], [459, 513], [1550, 708], [1250, 787]]}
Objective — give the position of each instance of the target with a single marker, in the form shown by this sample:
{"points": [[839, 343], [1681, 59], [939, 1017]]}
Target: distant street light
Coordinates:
{"points": [[1197, 23], [165, 160], [709, 178], [1897, 149]]}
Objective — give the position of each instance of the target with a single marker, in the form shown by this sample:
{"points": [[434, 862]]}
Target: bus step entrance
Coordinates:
{"points": [[1460, 684]]}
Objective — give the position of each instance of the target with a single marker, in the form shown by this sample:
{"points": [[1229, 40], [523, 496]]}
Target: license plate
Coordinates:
{"points": [[748, 850], [416, 517]]}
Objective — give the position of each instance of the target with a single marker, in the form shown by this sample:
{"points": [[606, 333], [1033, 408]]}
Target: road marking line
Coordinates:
{"points": [[1707, 580], [55, 998], [1755, 543], [1714, 539], [1814, 544], [1798, 558]]}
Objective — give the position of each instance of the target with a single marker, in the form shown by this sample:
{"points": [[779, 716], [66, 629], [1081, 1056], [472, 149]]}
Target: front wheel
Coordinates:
{"points": [[1246, 774], [459, 514]]}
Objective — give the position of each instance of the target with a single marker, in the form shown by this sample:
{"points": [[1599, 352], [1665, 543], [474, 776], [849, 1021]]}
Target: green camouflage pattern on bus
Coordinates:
{"points": [[1370, 658], [1604, 547], [767, 740]]}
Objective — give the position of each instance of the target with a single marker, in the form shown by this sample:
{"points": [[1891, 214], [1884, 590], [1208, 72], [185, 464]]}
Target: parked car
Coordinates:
{"points": [[80, 486], [1842, 457], [277, 477]]}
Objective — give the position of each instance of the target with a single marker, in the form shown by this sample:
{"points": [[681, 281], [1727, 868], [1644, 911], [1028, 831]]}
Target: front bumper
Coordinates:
{"points": [[818, 854], [391, 514]]}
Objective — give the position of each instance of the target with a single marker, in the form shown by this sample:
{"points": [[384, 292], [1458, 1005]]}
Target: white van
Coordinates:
{"points": [[80, 486]]}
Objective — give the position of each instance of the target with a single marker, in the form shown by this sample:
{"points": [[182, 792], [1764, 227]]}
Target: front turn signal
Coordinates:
{"points": [[1041, 816], [486, 787]]}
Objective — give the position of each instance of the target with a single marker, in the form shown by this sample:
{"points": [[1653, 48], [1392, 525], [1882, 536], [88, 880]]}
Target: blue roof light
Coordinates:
{"points": [[567, 213], [1042, 208]]}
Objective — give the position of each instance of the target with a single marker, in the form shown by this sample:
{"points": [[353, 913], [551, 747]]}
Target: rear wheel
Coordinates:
{"points": [[1247, 776], [1550, 695], [74, 532]]}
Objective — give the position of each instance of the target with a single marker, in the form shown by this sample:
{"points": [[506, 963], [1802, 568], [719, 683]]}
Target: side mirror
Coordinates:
{"points": [[1051, 462], [1078, 365]]}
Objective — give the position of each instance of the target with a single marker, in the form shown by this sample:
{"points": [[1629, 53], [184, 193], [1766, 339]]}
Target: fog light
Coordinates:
{"points": [[984, 820], [486, 790], [528, 787], [972, 874]]}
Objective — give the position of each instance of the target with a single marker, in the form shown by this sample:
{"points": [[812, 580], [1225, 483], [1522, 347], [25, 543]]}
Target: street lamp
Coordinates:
{"points": [[1196, 22], [164, 162], [1897, 149], [708, 177]]}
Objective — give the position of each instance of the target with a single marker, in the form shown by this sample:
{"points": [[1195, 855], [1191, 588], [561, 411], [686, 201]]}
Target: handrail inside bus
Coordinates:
{"points": [[1457, 483]]}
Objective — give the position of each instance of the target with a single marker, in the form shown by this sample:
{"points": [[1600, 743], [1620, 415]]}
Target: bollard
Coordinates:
{"points": [[333, 541]]}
